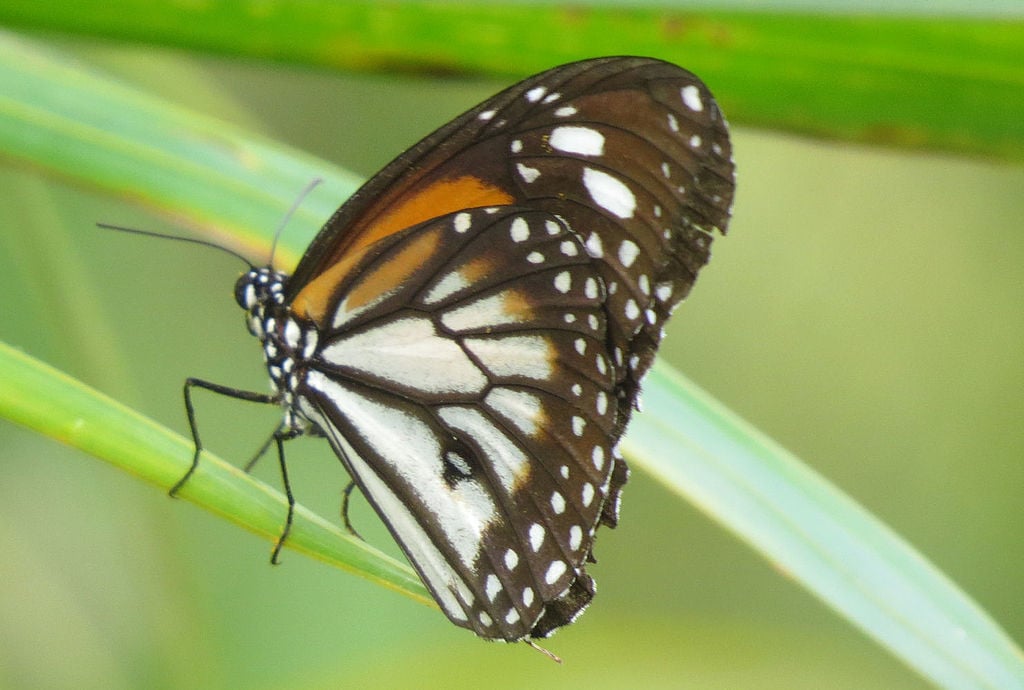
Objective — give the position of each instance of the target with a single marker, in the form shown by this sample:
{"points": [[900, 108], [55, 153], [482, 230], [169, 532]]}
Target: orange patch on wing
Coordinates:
{"points": [[476, 269], [313, 300], [518, 305], [438, 199]]}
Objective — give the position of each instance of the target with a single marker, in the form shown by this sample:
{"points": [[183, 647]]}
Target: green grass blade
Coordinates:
{"points": [[49, 402], [939, 82], [102, 134], [818, 536]]}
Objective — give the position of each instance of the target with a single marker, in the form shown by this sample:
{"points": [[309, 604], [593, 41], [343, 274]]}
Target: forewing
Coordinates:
{"points": [[631, 153]]}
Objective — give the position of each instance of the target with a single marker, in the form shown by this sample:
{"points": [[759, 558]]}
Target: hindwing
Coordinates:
{"points": [[474, 406]]}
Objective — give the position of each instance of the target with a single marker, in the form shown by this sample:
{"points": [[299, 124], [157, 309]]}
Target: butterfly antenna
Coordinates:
{"points": [[179, 238], [291, 212]]}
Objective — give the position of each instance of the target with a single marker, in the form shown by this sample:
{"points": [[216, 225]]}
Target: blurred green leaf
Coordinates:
{"points": [[949, 83], [102, 134], [815, 534]]}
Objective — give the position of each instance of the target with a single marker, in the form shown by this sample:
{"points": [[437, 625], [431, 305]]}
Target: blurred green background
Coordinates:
{"points": [[866, 310]]}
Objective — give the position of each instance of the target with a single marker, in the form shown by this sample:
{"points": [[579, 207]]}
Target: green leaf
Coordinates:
{"points": [[100, 133], [933, 82], [104, 135], [815, 534], [43, 399]]}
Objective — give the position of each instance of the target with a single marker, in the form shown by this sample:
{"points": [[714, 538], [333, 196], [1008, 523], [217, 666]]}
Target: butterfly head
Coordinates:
{"points": [[256, 291], [288, 344]]}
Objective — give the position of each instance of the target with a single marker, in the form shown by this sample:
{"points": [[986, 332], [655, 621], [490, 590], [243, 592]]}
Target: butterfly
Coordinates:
{"points": [[469, 331]]}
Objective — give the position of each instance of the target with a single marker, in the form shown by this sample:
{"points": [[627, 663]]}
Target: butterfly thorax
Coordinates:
{"points": [[288, 344]]}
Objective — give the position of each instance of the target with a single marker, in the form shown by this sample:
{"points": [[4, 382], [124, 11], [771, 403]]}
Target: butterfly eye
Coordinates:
{"points": [[245, 290]]}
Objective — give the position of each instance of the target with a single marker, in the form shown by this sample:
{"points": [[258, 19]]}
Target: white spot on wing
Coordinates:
{"points": [[610, 193], [628, 251], [563, 282], [485, 115], [519, 230], [483, 313], [450, 284], [521, 408], [409, 352], [462, 223], [555, 571], [537, 533], [575, 537], [565, 111], [593, 245], [492, 587], [583, 141], [536, 93], [587, 494], [511, 559], [577, 425], [527, 173], [513, 355], [692, 99]]}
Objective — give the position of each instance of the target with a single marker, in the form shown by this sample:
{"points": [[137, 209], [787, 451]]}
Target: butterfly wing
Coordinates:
{"points": [[487, 307], [472, 401]]}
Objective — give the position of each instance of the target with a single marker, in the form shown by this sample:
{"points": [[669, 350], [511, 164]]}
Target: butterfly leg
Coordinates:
{"points": [[279, 438], [259, 453], [345, 496], [190, 412]]}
